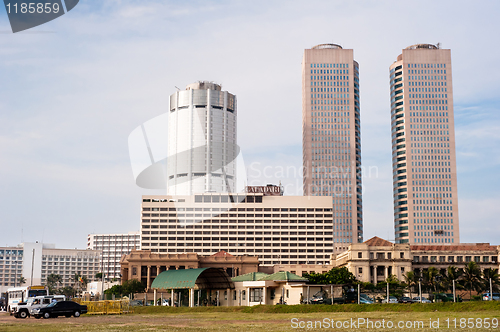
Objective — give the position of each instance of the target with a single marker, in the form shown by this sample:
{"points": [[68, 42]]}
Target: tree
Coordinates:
{"points": [[430, 276], [98, 275], [452, 274], [52, 281], [133, 286], [495, 279], [410, 280], [68, 291], [336, 276], [22, 280], [472, 278]]}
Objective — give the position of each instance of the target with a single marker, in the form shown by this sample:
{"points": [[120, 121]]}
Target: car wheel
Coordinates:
{"points": [[77, 314], [23, 314], [46, 315]]}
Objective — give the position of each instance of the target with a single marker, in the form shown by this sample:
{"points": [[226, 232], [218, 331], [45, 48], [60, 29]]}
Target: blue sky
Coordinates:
{"points": [[74, 89]]}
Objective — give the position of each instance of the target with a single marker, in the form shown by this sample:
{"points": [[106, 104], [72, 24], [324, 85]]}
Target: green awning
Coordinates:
{"points": [[204, 278], [284, 276], [252, 276]]}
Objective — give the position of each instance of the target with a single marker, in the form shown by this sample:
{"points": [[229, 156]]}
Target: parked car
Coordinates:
{"points": [[405, 299], [135, 303], [486, 296], [417, 300], [63, 308], [364, 300], [392, 299], [25, 309]]}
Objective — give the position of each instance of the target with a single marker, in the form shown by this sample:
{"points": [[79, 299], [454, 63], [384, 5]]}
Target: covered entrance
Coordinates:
{"points": [[204, 286]]}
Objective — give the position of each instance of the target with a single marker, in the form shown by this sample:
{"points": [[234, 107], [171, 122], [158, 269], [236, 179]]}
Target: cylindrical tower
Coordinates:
{"points": [[202, 146]]}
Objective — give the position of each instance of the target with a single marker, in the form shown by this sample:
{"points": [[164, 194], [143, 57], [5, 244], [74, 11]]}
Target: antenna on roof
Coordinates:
{"points": [[438, 45], [177, 88]]}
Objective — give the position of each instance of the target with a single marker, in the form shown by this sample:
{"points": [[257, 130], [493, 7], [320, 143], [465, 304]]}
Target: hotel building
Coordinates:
{"points": [[423, 147], [331, 137], [113, 247], [202, 146], [278, 229]]}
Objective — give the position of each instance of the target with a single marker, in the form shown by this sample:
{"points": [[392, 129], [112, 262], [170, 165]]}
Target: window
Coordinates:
{"points": [[360, 255], [401, 255], [243, 295], [360, 270]]}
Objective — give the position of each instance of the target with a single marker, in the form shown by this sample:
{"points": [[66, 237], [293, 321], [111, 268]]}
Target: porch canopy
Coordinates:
{"points": [[204, 278]]}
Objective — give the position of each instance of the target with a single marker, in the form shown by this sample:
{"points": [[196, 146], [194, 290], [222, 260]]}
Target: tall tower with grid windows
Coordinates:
{"points": [[331, 138], [423, 147]]}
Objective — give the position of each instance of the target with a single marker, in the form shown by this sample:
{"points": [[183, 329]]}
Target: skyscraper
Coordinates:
{"points": [[331, 139], [202, 146], [423, 147]]}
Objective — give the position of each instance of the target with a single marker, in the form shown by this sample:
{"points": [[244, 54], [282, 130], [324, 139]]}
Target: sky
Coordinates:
{"points": [[74, 89]]}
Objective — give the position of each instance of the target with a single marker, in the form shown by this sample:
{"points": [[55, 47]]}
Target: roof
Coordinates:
{"points": [[252, 276], [222, 253], [459, 247], [284, 276], [378, 242], [204, 278]]}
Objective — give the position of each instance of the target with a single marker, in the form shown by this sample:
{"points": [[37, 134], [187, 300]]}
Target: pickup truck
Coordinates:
{"points": [[25, 309]]}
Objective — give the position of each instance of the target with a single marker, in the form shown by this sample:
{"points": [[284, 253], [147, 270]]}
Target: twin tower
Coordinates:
{"points": [[203, 141]]}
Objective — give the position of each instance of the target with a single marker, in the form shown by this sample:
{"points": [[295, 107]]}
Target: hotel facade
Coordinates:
{"points": [[278, 229]]}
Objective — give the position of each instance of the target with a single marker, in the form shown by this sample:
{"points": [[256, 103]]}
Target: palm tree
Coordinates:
{"points": [[453, 274], [53, 280], [493, 275], [430, 277], [472, 278], [410, 280], [22, 280]]}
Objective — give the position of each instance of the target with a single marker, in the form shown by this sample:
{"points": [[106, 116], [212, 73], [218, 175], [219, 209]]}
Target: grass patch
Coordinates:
{"points": [[415, 307]]}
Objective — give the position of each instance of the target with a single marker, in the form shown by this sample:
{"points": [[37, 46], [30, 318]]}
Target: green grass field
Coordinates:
{"points": [[275, 318]]}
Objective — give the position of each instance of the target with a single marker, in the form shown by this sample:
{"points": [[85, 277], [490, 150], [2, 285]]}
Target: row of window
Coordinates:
{"points": [[329, 65]]}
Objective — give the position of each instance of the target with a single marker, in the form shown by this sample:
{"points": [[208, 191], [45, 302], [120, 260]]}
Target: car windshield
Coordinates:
{"points": [[52, 304]]}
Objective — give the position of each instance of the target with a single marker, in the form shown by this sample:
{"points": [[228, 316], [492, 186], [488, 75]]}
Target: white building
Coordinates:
{"points": [[113, 247], [36, 261], [277, 229], [202, 146]]}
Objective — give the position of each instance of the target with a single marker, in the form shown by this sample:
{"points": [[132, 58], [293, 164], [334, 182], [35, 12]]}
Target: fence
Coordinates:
{"points": [[117, 307]]}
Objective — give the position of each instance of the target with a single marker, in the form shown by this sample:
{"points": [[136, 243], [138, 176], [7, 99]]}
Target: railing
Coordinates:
{"points": [[117, 307]]}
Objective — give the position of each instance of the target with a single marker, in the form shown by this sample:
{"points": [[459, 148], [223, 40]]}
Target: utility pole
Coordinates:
{"points": [[454, 297], [491, 290], [32, 264], [420, 289]]}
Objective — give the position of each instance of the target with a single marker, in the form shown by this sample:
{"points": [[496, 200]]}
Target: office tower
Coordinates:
{"points": [[423, 147], [202, 146], [331, 139], [112, 248]]}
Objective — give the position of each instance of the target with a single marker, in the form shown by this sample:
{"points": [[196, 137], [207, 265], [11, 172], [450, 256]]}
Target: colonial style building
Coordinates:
{"points": [[374, 260], [145, 266]]}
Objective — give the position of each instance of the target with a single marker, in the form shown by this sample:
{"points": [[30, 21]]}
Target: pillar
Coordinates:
{"points": [[148, 282], [155, 298], [386, 272], [228, 297], [191, 297], [172, 298], [375, 274], [264, 295], [248, 296], [158, 270]]}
